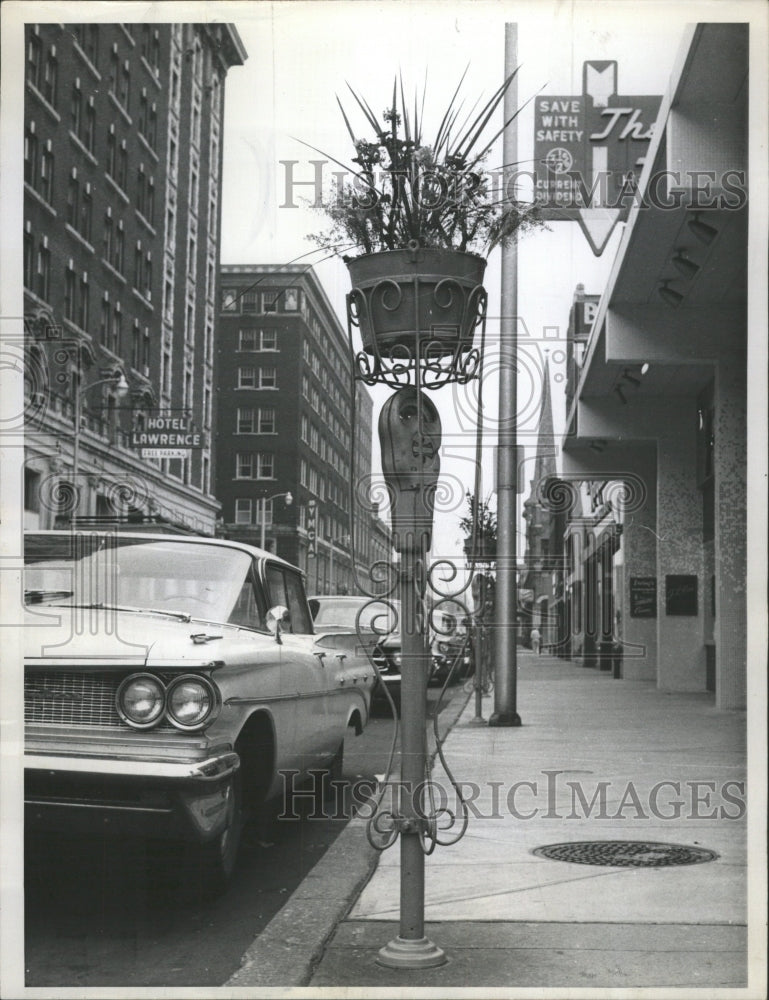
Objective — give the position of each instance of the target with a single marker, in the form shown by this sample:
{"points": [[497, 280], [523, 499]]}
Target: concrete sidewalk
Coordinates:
{"points": [[595, 760]]}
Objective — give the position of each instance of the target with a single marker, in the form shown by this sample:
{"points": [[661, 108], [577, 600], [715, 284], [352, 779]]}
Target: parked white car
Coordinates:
{"points": [[169, 680]]}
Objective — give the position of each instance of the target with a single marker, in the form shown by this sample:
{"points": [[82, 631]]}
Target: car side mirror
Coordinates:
{"points": [[277, 617]]}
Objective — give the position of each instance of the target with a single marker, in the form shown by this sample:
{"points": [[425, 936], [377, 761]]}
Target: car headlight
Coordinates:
{"points": [[190, 701], [140, 701], [444, 647]]}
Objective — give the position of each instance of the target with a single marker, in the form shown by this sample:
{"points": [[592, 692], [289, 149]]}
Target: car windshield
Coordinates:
{"points": [[376, 615], [178, 577]]}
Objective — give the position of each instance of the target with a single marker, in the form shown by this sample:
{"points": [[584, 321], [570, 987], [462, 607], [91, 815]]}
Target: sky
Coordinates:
{"points": [[283, 101]]}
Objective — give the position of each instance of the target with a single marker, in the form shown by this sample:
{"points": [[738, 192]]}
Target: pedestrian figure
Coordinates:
{"points": [[536, 639]]}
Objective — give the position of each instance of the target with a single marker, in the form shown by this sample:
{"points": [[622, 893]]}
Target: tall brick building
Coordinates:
{"points": [[287, 422], [122, 177]]}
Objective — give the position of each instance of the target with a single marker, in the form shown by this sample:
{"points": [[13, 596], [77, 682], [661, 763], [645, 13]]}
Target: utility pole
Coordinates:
{"points": [[505, 663]]}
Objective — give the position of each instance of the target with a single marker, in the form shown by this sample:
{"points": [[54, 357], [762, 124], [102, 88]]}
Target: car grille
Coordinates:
{"points": [[71, 698]]}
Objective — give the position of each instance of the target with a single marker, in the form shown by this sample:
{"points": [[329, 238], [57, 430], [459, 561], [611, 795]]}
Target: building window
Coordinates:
{"points": [[243, 511], [290, 299], [122, 165], [250, 302], [268, 340], [69, 294], [87, 36], [305, 429], [117, 326], [45, 187], [34, 58], [114, 70], [124, 94], [86, 213], [76, 108], [29, 259], [244, 465], [119, 255], [152, 126], [245, 420], [89, 125], [73, 200], [230, 301], [30, 155], [268, 378], [43, 269], [266, 420], [247, 378], [104, 323], [111, 151], [247, 340], [50, 78], [83, 303], [265, 468], [109, 237], [138, 267]]}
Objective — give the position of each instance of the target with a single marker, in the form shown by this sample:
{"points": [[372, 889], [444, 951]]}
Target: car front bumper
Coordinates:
{"points": [[164, 799]]}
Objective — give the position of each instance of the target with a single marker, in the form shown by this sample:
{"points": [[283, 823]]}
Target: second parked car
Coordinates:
{"points": [[374, 622]]}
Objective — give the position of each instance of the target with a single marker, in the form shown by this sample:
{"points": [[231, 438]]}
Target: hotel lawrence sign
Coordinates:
{"points": [[166, 436], [589, 151]]}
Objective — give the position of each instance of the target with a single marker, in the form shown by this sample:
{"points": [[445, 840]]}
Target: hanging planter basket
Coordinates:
{"points": [[418, 300]]}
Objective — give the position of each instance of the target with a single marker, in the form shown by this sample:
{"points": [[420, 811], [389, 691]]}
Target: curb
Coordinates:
{"points": [[291, 945]]}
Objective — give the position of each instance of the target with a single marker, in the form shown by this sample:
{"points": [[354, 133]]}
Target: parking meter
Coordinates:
{"points": [[410, 439]]}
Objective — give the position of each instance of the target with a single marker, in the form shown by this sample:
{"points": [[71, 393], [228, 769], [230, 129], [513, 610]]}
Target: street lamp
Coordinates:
{"points": [[116, 379], [263, 501]]}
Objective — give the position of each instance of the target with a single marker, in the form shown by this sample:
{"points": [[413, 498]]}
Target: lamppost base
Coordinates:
{"points": [[505, 719], [417, 953], [477, 721]]}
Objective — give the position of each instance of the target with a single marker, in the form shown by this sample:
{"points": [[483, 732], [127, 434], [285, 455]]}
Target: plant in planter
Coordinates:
{"points": [[480, 526], [423, 216]]}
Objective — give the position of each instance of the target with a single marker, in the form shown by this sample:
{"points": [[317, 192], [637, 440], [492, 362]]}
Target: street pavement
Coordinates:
{"points": [[596, 760]]}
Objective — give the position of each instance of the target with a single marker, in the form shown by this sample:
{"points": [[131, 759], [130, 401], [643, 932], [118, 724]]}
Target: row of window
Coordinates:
{"points": [[43, 74], [254, 465], [255, 339], [252, 377], [39, 173], [256, 420], [285, 300], [312, 436], [312, 394]]}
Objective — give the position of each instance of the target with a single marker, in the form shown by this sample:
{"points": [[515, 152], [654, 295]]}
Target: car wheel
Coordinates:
{"points": [[215, 861]]}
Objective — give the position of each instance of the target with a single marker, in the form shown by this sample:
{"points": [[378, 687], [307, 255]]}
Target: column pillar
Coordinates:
{"points": [[730, 470]]}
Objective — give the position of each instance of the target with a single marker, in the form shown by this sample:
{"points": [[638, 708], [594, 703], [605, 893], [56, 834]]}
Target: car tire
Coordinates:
{"points": [[215, 862]]}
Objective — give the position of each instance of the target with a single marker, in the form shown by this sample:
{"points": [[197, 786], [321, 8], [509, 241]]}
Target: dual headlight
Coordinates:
{"points": [[188, 702]]}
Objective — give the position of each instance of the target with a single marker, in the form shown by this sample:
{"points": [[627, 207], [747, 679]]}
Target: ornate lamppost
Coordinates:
{"points": [[116, 379]]}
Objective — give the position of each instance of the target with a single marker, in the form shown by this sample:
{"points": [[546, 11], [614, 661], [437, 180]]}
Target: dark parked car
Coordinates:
{"points": [[169, 680], [374, 624]]}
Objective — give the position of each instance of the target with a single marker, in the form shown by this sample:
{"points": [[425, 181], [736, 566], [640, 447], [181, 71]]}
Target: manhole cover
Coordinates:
{"points": [[626, 853]]}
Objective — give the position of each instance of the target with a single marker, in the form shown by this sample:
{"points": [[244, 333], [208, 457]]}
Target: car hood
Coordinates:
{"points": [[105, 637]]}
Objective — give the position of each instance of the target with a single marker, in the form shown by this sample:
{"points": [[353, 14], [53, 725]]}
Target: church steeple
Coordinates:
{"points": [[544, 464]]}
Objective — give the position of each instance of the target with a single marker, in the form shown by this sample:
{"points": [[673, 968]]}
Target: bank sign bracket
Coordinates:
{"points": [[589, 149]]}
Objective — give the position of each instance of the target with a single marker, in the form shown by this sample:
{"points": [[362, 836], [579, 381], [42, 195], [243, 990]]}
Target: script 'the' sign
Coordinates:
{"points": [[589, 149]]}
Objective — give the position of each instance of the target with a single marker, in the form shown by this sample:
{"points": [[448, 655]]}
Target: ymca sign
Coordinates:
{"points": [[589, 151]]}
